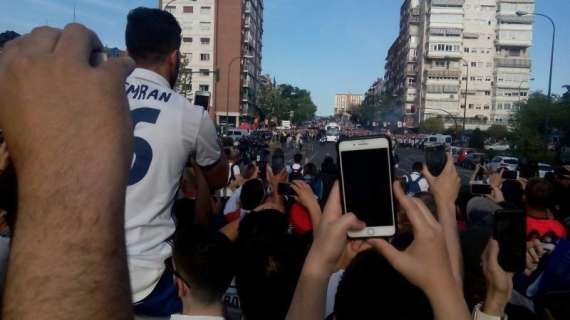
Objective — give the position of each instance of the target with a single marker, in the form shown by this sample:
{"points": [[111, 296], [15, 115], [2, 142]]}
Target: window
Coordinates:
{"points": [[472, 78], [473, 64], [187, 39], [474, 50], [204, 72], [487, 93], [500, 106], [205, 10], [205, 26], [478, 107], [188, 9], [204, 57], [170, 9], [439, 63], [466, 50], [488, 78], [205, 41], [507, 106], [462, 106], [471, 106], [204, 87], [486, 107]]}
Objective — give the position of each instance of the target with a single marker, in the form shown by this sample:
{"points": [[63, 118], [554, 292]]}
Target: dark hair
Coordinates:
{"points": [[513, 192], [7, 36], [328, 165], [311, 169], [417, 166], [249, 170], [539, 193], [370, 286], [252, 194], [269, 266], [151, 35], [297, 158], [204, 260]]}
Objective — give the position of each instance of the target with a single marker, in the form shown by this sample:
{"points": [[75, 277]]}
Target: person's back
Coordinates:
{"points": [[168, 130], [415, 182]]}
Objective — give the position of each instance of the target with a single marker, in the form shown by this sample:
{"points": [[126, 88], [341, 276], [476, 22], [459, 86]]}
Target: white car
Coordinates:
{"points": [[498, 147], [509, 163], [543, 169]]}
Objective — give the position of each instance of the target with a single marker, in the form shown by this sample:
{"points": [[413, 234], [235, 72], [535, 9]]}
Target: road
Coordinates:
{"points": [[316, 153]]}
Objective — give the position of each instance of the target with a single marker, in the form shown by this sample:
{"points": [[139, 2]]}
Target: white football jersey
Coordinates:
{"points": [[168, 131]]}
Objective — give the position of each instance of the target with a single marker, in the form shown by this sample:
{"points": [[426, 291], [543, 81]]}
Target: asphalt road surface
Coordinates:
{"points": [[316, 153]]}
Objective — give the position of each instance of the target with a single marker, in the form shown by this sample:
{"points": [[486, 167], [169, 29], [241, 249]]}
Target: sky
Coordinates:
{"points": [[324, 46]]}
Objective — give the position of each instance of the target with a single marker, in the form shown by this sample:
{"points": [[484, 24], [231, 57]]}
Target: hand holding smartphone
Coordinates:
{"points": [[366, 185], [285, 189], [510, 232]]}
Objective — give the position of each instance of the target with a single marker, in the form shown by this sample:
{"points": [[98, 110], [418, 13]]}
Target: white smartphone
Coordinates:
{"points": [[366, 185]]}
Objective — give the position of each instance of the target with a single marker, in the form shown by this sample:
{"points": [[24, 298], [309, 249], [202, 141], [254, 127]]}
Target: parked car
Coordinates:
{"points": [[473, 159], [236, 134], [498, 162], [543, 169], [500, 146]]}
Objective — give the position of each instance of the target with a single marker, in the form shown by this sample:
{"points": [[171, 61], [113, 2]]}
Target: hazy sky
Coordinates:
{"points": [[325, 46]]}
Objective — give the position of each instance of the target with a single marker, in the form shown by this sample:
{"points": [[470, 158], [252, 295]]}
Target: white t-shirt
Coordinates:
{"points": [[227, 192], [168, 131]]}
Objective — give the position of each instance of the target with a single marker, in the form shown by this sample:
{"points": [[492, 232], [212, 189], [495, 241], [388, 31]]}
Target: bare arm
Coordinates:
{"points": [[445, 189], [72, 165], [306, 197]]}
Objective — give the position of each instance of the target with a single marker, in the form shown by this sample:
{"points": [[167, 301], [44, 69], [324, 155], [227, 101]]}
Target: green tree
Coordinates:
{"points": [[184, 81], [497, 132], [279, 101], [432, 125], [477, 140]]}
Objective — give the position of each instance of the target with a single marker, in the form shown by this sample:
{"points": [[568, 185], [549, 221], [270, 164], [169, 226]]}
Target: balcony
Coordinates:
{"points": [[447, 3], [513, 42], [444, 54], [515, 19], [512, 63], [443, 72]]}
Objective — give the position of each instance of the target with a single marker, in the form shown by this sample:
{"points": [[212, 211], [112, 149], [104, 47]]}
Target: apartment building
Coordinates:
{"points": [[345, 102], [226, 37], [374, 93], [472, 60], [197, 20]]}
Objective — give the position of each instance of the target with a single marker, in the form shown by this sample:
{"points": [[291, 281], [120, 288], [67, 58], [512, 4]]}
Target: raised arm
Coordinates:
{"points": [[445, 189], [329, 243], [72, 162]]}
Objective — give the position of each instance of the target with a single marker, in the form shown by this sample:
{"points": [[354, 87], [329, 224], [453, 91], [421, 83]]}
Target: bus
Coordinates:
{"points": [[332, 132]]}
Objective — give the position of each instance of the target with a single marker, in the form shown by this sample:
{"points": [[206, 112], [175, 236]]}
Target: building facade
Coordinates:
{"points": [[197, 20], [467, 59], [345, 102], [223, 37]]}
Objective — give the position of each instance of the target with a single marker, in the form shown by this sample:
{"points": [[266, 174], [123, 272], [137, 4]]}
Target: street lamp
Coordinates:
{"points": [[520, 87], [524, 13], [228, 83], [167, 4]]}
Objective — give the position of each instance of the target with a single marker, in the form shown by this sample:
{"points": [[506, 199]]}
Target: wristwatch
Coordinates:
{"points": [[478, 314]]}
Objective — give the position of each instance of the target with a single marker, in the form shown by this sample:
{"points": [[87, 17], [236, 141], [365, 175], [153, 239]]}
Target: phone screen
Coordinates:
{"points": [[510, 231], [277, 164], [285, 189], [367, 186], [481, 189]]}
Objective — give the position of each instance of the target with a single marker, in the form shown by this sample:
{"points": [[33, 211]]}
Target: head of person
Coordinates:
{"points": [[269, 265], [371, 288], [538, 194], [311, 169], [328, 165], [252, 194], [513, 192], [250, 172], [417, 166], [153, 39], [297, 158], [204, 266], [7, 36]]}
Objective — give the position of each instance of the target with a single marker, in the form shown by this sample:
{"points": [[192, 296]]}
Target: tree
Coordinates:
{"points": [[432, 125], [497, 132], [477, 140], [184, 81], [279, 101]]}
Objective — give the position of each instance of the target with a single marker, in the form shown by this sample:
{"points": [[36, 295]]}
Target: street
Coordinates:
{"points": [[316, 153]]}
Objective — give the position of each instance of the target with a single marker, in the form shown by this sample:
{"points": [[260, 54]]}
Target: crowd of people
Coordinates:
{"points": [[117, 200]]}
